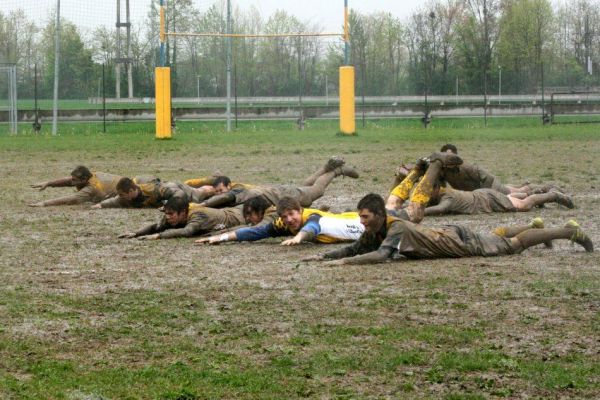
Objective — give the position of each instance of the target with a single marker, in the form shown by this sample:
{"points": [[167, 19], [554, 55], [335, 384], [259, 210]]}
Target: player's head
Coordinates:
{"points": [[80, 176], [127, 189], [371, 210], [254, 209], [290, 211], [449, 148], [176, 210], [222, 184]]}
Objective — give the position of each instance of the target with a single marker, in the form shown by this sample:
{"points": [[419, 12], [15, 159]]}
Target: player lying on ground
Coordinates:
{"points": [[91, 187], [184, 219], [151, 195], [387, 237], [313, 187], [305, 224], [481, 201], [447, 166]]}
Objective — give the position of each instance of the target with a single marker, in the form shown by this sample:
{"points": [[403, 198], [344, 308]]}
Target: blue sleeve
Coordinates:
{"points": [[312, 225], [255, 233]]}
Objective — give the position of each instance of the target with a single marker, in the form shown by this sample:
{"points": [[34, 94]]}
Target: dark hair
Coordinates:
{"points": [[256, 204], [126, 185], [81, 172], [374, 203], [288, 203], [177, 204], [450, 147], [221, 179]]}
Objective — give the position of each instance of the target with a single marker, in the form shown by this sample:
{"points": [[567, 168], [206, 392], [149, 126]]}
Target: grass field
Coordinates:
{"points": [[84, 315]]}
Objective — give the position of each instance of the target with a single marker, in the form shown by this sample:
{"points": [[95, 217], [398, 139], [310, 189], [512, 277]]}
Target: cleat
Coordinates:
{"points": [[334, 163], [579, 236], [448, 160], [538, 223], [563, 199], [347, 171], [422, 164]]}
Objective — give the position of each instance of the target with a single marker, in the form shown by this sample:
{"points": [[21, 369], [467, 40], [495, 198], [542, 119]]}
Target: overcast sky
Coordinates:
{"points": [[327, 13]]}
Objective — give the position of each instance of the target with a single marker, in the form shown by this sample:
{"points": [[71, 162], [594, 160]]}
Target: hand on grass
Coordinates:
{"points": [[317, 257], [333, 263], [155, 236], [292, 242], [41, 185]]}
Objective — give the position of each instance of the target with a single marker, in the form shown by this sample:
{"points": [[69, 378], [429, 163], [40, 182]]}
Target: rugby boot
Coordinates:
{"points": [[538, 223], [448, 160], [579, 236], [563, 199], [333, 163]]}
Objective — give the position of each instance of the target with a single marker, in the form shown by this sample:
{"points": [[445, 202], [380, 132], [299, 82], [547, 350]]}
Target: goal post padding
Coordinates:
{"points": [[347, 111], [163, 102]]}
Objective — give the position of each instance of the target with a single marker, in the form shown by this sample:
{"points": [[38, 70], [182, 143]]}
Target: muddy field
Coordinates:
{"points": [[86, 315]]}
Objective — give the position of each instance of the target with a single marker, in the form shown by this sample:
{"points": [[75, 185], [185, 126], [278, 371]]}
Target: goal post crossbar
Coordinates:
{"points": [[252, 35]]}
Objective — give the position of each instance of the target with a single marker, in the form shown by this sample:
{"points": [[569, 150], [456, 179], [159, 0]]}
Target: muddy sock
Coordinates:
{"points": [[422, 192], [532, 237]]}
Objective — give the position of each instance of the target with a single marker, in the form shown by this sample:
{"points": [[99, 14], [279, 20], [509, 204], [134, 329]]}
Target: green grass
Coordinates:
{"points": [[87, 316], [457, 129]]}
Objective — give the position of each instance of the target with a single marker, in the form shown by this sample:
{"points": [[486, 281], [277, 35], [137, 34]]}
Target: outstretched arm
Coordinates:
{"points": [[113, 202], [378, 256], [67, 181], [219, 200], [76, 198], [147, 230], [191, 229], [442, 208]]}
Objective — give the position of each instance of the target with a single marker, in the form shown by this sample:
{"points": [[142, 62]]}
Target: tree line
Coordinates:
{"points": [[447, 46]]}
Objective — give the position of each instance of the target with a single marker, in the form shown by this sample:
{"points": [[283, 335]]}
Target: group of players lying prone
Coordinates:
{"points": [[379, 230]]}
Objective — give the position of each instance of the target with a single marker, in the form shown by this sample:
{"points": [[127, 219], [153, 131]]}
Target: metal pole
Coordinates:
{"points": [[228, 66], [363, 91], [103, 98], [499, 83], [346, 35], [129, 62], [36, 126], [300, 105], [118, 61], [162, 36], [485, 98], [457, 90], [56, 59], [326, 92], [235, 94], [198, 80]]}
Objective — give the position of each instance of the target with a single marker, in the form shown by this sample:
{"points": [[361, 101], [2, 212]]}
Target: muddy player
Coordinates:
{"points": [[151, 194], [184, 219], [305, 224], [313, 187], [481, 201], [386, 237], [447, 166], [91, 187]]}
